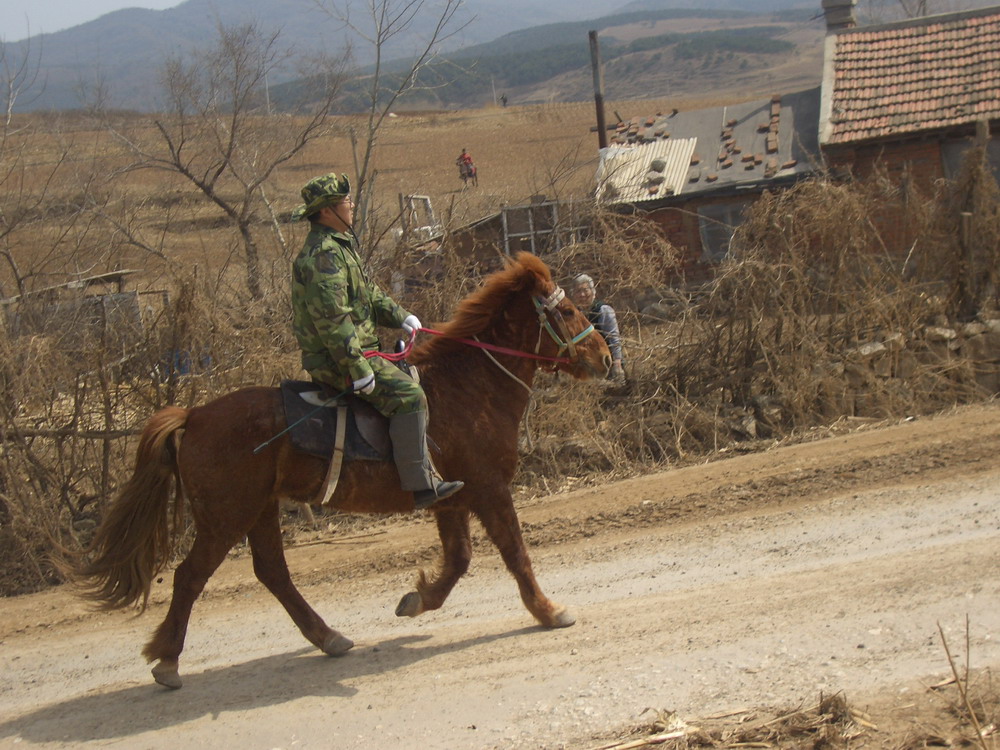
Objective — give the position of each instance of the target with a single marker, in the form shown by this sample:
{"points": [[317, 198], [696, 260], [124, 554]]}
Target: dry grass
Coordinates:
{"points": [[955, 713], [775, 345]]}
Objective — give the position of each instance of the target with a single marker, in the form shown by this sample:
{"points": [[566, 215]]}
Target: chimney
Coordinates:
{"points": [[839, 14]]}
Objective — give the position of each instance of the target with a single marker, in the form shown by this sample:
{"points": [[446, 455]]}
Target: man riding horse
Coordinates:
{"points": [[466, 169], [336, 308]]}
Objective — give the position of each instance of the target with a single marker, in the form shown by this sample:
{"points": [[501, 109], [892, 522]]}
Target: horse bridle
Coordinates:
{"points": [[546, 309], [543, 306]]}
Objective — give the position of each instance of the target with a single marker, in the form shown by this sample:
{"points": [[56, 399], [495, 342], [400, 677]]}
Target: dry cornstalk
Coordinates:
{"points": [[963, 686], [727, 714], [789, 715], [860, 720], [656, 739], [338, 540]]}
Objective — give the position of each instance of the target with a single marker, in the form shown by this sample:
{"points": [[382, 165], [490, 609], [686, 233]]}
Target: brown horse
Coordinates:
{"points": [[477, 400]]}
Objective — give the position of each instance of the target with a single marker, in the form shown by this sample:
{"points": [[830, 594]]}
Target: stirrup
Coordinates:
{"points": [[426, 498]]}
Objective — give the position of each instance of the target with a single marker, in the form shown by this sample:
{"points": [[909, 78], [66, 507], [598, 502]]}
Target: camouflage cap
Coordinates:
{"points": [[321, 192]]}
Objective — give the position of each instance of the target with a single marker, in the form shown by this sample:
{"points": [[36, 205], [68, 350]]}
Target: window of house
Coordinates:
{"points": [[716, 223], [954, 151]]}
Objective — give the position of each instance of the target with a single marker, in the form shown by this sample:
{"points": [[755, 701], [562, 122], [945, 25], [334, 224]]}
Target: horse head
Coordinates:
{"points": [[564, 332], [522, 310]]}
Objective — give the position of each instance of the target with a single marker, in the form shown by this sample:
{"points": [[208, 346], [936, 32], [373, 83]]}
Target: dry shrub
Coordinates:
{"points": [[960, 250], [623, 254], [71, 414], [817, 315]]}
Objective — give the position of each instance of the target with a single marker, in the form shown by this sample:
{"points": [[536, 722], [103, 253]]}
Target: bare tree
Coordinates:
{"points": [[385, 26], [220, 132], [17, 204], [46, 186]]}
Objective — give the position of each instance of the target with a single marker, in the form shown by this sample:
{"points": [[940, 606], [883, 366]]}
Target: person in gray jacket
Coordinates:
{"points": [[602, 316]]}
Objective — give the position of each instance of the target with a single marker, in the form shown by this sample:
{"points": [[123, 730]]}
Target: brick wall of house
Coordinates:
{"points": [[918, 162], [680, 225]]}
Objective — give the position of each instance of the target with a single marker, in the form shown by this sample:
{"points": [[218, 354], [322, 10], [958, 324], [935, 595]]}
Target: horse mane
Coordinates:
{"points": [[476, 312]]}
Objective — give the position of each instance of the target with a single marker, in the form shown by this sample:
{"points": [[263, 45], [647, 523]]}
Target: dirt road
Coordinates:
{"points": [[757, 581]]}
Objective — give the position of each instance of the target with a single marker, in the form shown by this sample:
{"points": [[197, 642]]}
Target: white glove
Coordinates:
{"points": [[366, 384], [412, 324]]}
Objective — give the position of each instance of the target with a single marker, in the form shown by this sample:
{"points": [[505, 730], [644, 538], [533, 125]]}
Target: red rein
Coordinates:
{"points": [[478, 344]]}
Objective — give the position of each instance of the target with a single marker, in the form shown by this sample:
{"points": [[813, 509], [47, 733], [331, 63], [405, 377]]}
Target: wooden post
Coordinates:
{"points": [[595, 61], [403, 219], [967, 285], [982, 133]]}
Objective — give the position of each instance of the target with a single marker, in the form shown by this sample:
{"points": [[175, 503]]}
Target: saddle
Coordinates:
{"points": [[365, 433]]}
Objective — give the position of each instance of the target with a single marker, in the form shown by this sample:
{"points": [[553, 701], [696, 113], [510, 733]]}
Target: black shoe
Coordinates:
{"points": [[426, 498]]}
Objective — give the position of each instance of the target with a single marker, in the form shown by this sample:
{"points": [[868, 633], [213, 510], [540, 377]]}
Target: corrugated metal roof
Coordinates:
{"points": [[640, 172]]}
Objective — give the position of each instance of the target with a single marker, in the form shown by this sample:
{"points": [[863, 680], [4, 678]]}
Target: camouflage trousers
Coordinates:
{"points": [[395, 391]]}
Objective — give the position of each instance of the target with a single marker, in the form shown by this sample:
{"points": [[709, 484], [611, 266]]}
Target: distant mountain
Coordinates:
{"points": [[754, 6], [545, 36], [637, 46], [125, 49]]}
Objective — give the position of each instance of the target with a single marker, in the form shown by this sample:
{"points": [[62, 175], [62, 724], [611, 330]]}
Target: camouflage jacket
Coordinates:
{"points": [[336, 308]]}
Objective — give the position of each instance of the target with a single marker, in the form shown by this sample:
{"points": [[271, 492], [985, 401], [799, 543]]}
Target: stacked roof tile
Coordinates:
{"points": [[906, 77], [654, 157]]}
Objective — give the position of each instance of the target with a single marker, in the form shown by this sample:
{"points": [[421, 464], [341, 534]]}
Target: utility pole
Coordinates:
{"points": [[595, 61]]}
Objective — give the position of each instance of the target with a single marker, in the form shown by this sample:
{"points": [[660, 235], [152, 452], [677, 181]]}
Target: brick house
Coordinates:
{"points": [[693, 173], [908, 94]]}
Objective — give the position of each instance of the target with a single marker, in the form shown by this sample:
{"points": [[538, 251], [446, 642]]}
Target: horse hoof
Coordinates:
{"points": [[165, 673], [410, 605], [562, 618], [337, 645]]}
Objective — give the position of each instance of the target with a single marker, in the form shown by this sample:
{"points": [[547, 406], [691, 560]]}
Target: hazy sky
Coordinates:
{"points": [[21, 18]]}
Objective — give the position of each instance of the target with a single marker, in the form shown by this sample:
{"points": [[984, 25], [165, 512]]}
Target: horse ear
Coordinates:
{"points": [[534, 272]]}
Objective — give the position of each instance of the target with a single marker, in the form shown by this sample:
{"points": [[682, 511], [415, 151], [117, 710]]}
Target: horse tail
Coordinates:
{"points": [[136, 538]]}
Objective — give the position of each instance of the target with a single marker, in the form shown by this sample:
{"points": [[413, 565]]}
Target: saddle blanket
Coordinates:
{"points": [[367, 434]]}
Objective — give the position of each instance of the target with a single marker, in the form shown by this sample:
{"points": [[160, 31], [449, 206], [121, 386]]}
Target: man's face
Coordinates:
{"points": [[583, 295], [339, 216], [345, 210]]}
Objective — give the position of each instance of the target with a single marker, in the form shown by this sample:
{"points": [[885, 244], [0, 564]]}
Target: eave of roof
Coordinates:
{"points": [[912, 76]]}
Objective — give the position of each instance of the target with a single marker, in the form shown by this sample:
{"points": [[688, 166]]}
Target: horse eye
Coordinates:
{"points": [[568, 312]]}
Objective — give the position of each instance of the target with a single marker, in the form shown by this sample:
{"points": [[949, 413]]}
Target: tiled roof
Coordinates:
{"points": [[906, 77], [685, 153]]}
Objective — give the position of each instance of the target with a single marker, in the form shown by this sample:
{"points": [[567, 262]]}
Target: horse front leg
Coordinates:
{"points": [[456, 543], [271, 569], [500, 521]]}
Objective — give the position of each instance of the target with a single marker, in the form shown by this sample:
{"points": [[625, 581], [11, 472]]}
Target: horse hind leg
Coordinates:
{"points": [[500, 521], [456, 542], [190, 577], [271, 569]]}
